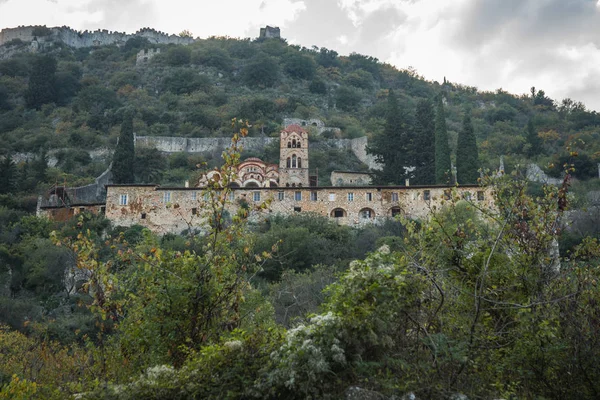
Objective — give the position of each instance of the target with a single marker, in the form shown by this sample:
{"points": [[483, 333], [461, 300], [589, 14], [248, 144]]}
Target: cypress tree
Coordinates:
{"points": [[424, 144], [442, 149], [533, 140], [123, 159], [392, 148], [467, 156]]}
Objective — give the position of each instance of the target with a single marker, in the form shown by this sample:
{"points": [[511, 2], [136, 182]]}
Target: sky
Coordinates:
{"points": [[553, 45]]}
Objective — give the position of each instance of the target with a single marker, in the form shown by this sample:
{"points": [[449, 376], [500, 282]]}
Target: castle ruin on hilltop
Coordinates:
{"points": [[79, 39]]}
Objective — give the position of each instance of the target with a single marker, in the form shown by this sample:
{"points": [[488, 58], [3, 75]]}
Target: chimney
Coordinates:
{"points": [[187, 184], [407, 182]]}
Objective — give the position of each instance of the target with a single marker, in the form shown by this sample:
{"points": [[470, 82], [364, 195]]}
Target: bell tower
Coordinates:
{"points": [[293, 157]]}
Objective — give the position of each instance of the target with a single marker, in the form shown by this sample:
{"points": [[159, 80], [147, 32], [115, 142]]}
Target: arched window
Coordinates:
{"points": [[288, 163], [294, 161], [338, 213], [395, 211], [294, 143], [299, 162], [289, 144], [366, 213]]}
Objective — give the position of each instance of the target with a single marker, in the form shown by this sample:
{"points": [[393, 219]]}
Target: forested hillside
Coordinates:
{"points": [[73, 101], [471, 303]]}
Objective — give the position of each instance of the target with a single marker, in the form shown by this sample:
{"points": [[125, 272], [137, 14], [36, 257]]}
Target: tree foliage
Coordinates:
{"points": [[261, 71], [442, 148], [42, 82], [393, 148], [124, 157], [424, 144], [467, 155]]}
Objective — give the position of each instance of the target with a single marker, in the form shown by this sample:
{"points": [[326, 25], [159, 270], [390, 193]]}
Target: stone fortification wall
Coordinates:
{"points": [[199, 145], [80, 39], [170, 144], [172, 210]]}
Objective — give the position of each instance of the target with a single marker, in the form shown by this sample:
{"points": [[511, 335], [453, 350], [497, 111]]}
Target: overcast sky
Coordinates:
{"points": [[509, 44]]}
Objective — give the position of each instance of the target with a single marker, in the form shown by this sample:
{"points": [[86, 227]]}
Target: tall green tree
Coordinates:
{"points": [[442, 148], [533, 140], [8, 175], [42, 82], [424, 144], [392, 148], [123, 159], [467, 156]]}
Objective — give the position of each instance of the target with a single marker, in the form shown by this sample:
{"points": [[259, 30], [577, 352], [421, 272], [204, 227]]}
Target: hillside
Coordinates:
{"points": [[479, 299], [59, 97]]}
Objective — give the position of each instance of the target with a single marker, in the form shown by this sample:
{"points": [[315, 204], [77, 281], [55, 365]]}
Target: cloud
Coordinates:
{"points": [[553, 45], [116, 14], [320, 23], [521, 43]]}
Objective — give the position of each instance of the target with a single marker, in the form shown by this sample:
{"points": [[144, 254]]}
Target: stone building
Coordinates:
{"points": [[293, 157], [270, 32], [285, 189], [252, 172], [145, 55], [175, 209]]}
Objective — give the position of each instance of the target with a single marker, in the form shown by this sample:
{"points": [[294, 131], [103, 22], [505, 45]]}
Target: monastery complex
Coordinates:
{"points": [[286, 188]]}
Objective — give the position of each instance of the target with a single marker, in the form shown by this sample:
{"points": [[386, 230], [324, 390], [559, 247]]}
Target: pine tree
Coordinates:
{"points": [[123, 159], [392, 149], [442, 149], [424, 144], [467, 156], [533, 140]]}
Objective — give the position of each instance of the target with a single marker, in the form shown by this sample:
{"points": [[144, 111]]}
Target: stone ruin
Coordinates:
{"points": [[145, 55], [270, 32]]}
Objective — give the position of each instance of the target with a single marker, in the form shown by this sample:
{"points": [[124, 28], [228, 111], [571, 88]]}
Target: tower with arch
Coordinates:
{"points": [[293, 157]]}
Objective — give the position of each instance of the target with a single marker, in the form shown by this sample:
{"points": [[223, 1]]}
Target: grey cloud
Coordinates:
{"points": [[121, 15], [527, 34], [528, 21], [323, 22], [380, 23], [586, 91], [320, 24]]}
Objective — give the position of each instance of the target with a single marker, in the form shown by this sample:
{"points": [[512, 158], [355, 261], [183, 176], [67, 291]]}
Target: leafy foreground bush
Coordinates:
{"points": [[477, 302], [473, 301]]}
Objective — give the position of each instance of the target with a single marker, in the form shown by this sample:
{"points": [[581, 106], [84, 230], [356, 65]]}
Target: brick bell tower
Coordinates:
{"points": [[293, 157]]}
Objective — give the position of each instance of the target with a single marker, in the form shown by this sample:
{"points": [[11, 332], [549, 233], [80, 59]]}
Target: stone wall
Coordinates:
{"points": [[350, 178], [80, 39], [170, 144], [143, 56], [173, 210], [199, 145], [270, 32]]}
